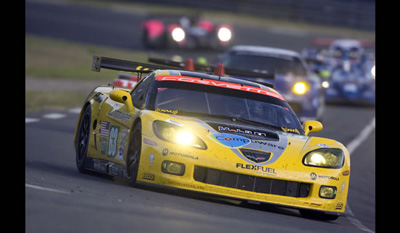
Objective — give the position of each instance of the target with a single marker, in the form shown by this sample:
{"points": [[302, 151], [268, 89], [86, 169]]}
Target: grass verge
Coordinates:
{"points": [[65, 61]]}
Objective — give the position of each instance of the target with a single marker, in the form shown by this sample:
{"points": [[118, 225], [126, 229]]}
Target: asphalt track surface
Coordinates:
{"points": [[60, 199]]}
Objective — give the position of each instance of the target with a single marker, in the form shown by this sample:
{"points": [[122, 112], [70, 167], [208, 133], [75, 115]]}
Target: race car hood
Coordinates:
{"points": [[259, 146], [244, 148]]}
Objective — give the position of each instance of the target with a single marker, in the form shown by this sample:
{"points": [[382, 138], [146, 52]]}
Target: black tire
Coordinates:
{"points": [[82, 143], [133, 157], [318, 215]]}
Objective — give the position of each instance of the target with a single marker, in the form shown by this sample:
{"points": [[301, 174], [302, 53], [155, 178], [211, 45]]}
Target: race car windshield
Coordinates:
{"points": [[186, 99], [265, 64]]}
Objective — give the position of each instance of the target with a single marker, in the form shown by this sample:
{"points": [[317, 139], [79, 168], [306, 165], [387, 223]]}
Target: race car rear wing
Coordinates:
{"points": [[123, 65], [250, 75], [138, 67]]}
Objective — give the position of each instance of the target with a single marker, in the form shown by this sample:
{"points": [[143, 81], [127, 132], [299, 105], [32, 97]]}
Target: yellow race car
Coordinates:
{"points": [[210, 134]]}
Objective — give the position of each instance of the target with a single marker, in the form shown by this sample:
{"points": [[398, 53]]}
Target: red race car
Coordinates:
{"points": [[173, 31]]}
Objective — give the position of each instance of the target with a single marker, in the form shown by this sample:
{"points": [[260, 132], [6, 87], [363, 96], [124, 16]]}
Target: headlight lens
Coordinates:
{"points": [[300, 88], [178, 34], [328, 192], [224, 34], [325, 157], [177, 134], [173, 168]]}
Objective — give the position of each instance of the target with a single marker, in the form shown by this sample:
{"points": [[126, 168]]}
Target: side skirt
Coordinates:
{"points": [[105, 167]]}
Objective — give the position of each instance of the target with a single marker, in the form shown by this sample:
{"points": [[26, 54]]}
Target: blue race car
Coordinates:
{"points": [[351, 80], [285, 70]]}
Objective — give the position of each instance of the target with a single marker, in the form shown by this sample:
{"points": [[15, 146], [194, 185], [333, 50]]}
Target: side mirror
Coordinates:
{"points": [[312, 127], [122, 97]]}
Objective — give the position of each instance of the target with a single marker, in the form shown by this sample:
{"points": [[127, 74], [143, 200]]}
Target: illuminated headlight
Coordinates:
{"points": [[173, 168], [325, 84], [324, 157], [300, 88], [328, 192], [224, 34], [373, 72], [178, 34], [177, 134]]}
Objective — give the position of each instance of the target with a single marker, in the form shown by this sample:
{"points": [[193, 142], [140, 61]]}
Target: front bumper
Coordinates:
{"points": [[266, 185]]}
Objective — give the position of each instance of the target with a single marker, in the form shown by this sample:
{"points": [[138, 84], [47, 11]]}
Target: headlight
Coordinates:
{"points": [[224, 34], [177, 134], [328, 192], [300, 88], [325, 84], [373, 72], [178, 34], [173, 168], [325, 157]]}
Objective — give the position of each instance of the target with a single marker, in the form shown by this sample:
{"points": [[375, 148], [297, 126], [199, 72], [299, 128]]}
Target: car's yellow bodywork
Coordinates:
{"points": [[287, 180]]}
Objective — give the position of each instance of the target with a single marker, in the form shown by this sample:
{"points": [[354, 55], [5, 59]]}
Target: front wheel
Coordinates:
{"points": [[82, 143], [133, 158]]}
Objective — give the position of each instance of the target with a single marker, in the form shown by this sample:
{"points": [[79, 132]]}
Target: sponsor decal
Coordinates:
{"points": [[256, 156], [288, 130], [120, 155], [339, 206], [99, 97], [123, 136], [222, 84], [104, 129], [151, 158], [112, 141], [256, 168], [185, 185], [149, 176], [243, 131], [230, 140], [173, 112], [149, 142], [103, 145], [269, 144], [237, 143], [184, 155], [165, 151], [314, 176], [119, 115]]}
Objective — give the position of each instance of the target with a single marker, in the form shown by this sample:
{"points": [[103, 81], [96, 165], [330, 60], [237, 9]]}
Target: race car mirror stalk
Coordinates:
{"points": [[122, 97], [312, 127]]}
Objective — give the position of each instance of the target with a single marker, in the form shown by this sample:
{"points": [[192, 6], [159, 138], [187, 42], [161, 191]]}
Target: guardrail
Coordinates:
{"points": [[345, 13]]}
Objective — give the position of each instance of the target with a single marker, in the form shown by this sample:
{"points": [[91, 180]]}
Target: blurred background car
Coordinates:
{"points": [[285, 70], [349, 67], [185, 31]]}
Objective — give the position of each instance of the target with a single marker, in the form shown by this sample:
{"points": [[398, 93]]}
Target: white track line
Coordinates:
{"points": [[46, 189], [30, 120], [351, 147], [54, 116]]}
